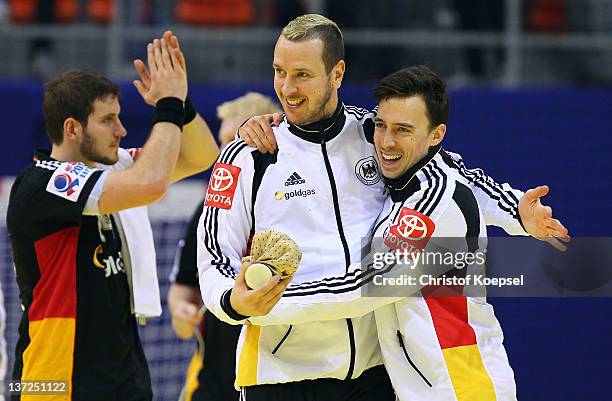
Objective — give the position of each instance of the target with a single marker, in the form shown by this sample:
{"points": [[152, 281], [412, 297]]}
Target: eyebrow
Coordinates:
{"points": [[109, 115], [406, 125], [276, 66]]}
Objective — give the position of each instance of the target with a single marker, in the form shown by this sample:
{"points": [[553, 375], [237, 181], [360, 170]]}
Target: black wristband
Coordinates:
{"points": [[190, 112], [171, 110], [518, 217], [227, 306]]}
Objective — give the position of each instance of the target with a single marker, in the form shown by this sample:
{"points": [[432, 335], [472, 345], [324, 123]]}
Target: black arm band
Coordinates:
{"points": [[190, 112], [518, 217], [227, 306], [171, 110]]}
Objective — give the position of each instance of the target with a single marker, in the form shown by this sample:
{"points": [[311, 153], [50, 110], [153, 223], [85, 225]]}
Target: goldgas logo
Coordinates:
{"points": [[65, 183], [298, 193]]}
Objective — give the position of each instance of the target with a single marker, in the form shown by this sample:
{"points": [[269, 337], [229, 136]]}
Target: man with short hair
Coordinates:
{"points": [[333, 205], [451, 343], [76, 228]]}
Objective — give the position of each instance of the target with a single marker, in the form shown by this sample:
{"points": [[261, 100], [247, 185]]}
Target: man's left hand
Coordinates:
{"points": [[538, 221], [143, 85]]}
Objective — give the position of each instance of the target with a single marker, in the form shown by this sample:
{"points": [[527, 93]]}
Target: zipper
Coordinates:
{"points": [[282, 340], [347, 255], [332, 181], [401, 342]]}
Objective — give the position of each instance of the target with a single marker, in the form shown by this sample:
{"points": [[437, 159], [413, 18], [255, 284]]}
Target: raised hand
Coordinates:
{"points": [[538, 221], [166, 74]]}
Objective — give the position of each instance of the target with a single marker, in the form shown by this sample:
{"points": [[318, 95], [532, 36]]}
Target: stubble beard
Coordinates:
{"points": [[320, 113], [88, 150]]}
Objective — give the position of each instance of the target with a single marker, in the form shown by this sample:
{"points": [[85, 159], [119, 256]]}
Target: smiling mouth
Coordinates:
{"points": [[295, 101], [390, 157]]}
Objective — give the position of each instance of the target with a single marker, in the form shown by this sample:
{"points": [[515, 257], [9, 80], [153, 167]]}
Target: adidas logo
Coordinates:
{"points": [[294, 179]]}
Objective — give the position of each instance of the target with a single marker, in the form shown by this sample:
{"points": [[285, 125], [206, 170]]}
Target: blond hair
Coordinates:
{"points": [[246, 106], [315, 26]]}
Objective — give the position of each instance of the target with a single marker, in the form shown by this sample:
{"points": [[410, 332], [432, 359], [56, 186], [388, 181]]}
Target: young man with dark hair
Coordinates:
{"points": [[439, 344], [77, 229], [286, 355], [72, 94]]}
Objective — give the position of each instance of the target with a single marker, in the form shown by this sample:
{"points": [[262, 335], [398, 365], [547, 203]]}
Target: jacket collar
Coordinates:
{"points": [[402, 187], [321, 131]]}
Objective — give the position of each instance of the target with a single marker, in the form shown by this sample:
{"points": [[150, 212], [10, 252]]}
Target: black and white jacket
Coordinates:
{"points": [[322, 188]]}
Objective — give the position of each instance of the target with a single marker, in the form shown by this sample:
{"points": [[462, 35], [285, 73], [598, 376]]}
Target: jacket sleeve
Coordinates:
{"points": [[300, 304], [498, 202], [335, 297], [224, 228]]}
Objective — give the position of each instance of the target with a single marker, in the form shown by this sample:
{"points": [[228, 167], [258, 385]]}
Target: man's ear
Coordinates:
{"points": [[72, 129], [438, 135], [338, 72]]}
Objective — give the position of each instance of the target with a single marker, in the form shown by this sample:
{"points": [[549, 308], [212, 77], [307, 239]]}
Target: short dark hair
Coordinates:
{"points": [[315, 26], [421, 81], [72, 94]]}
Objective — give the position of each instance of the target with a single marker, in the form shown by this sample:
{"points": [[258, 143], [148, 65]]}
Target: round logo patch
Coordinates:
{"points": [[221, 180], [366, 170]]}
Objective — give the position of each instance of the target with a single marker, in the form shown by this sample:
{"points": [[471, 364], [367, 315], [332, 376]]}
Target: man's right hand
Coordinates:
{"points": [[257, 132], [259, 302], [185, 318]]}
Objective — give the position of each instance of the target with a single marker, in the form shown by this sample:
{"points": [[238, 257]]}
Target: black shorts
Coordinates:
{"points": [[373, 385]]}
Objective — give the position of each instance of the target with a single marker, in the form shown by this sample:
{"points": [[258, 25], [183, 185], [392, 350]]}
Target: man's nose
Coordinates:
{"points": [[388, 141], [120, 131], [289, 87]]}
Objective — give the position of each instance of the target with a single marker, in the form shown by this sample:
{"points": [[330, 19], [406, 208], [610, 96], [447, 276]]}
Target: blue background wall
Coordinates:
{"points": [[561, 349]]}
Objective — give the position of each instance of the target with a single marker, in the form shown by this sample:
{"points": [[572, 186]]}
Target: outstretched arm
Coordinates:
{"points": [[516, 212]]}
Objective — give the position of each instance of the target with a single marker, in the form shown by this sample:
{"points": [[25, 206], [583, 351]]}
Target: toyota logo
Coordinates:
{"points": [[410, 225], [221, 180]]}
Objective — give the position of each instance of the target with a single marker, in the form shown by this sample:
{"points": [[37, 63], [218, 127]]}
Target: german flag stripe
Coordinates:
{"points": [[55, 293], [249, 355], [450, 318], [470, 379], [52, 314], [49, 356]]}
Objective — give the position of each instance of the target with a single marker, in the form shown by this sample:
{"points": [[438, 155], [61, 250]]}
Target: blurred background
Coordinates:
{"points": [[531, 102], [505, 42]]}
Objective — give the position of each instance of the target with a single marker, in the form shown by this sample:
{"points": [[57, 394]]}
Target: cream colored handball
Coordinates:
{"points": [[257, 275]]}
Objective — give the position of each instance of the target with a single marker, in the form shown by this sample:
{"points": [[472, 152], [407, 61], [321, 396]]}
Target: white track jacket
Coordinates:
{"points": [[322, 188]]}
